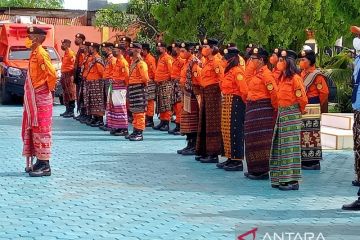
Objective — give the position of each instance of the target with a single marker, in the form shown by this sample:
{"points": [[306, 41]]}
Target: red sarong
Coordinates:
{"points": [[37, 121]]}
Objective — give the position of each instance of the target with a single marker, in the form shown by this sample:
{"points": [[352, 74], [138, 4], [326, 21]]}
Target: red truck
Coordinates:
{"points": [[14, 58]]}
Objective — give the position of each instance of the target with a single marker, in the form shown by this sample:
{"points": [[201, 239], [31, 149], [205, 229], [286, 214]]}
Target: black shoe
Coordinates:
{"points": [[42, 171], [233, 166], [210, 159], [274, 186], [188, 152], [312, 167], [137, 136], [157, 127], [356, 183], [96, 123], [165, 127], [222, 164], [78, 117], [355, 206], [130, 135], [105, 128], [197, 157], [64, 113], [120, 132], [69, 114], [289, 186], [149, 121], [181, 150], [262, 176], [176, 130]]}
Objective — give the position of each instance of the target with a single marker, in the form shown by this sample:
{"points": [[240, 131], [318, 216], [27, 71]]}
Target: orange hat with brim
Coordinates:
{"points": [[355, 29]]}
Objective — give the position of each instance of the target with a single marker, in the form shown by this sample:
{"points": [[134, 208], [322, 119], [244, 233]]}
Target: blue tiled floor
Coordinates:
{"points": [[105, 187]]}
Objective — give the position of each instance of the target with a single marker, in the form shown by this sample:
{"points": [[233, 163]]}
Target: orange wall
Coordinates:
{"points": [[68, 32]]}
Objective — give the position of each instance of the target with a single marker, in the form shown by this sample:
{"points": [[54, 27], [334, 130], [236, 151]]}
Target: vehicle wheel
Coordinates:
{"points": [[6, 97]]}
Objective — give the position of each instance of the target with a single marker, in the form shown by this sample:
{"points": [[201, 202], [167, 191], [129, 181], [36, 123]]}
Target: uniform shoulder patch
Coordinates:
{"points": [[43, 67], [319, 86], [195, 74], [270, 87], [217, 70], [239, 77], [298, 93]]}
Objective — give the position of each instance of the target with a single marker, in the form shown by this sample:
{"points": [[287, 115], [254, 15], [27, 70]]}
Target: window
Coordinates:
{"points": [[22, 53]]}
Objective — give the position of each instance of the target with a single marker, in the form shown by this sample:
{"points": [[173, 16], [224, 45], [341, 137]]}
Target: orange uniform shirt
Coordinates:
{"points": [[68, 61], [163, 68], [277, 74], [211, 72], [292, 91], [139, 73], [195, 72], [109, 67], [41, 69], [234, 83], [318, 88], [151, 63], [95, 70], [80, 60], [178, 63], [261, 85], [121, 70]]}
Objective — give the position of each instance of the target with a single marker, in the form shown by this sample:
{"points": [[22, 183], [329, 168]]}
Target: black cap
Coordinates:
{"points": [[135, 45], [126, 39], [210, 42], [86, 43], [231, 50], [288, 54], [107, 44], [36, 30], [187, 45], [94, 44], [229, 45], [277, 51], [80, 35], [307, 54], [250, 45], [66, 41], [176, 44], [161, 44], [119, 46], [259, 52], [146, 46]]}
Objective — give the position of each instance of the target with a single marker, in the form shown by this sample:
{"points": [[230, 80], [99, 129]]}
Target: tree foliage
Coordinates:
{"points": [[50, 4]]}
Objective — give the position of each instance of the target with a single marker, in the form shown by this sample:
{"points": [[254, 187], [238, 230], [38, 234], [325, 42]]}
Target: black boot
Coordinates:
{"points": [[149, 121], [222, 164], [66, 111], [176, 130], [136, 136], [90, 120], [42, 170], [97, 122], [70, 112], [210, 159], [165, 126], [157, 127], [185, 148], [234, 165], [190, 151]]}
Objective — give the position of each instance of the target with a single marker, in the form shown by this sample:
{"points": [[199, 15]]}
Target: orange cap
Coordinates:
{"points": [[355, 29]]}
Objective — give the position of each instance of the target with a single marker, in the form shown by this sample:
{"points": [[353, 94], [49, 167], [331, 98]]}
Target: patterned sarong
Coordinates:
{"points": [[356, 133], [259, 129], [232, 126], [37, 122], [94, 97], [164, 101], [311, 150], [137, 98], [151, 90], [68, 86], [177, 93], [190, 121], [116, 116], [209, 139], [285, 159]]}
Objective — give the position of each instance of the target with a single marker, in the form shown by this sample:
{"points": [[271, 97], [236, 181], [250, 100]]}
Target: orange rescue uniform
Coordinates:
{"points": [[211, 72], [151, 63], [292, 91], [121, 70], [97, 70], [139, 76], [176, 75], [41, 70], [68, 61], [261, 84], [109, 67], [318, 88], [234, 83]]}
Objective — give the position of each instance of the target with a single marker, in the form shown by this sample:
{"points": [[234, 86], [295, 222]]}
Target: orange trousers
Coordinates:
{"points": [[177, 110], [166, 116], [150, 108], [139, 121]]}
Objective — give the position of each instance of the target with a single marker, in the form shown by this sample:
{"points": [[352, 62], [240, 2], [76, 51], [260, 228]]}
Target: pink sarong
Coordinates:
{"points": [[37, 121]]}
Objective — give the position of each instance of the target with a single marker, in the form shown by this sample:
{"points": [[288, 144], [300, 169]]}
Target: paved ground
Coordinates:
{"points": [[105, 187]]}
